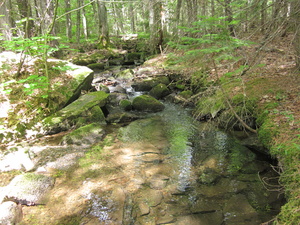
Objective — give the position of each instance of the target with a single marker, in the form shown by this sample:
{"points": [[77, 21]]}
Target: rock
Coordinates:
{"points": [[96, 66], [144, 209], [159, 91], [167, 219], [158, 181], [28, 187], [113, 104], [252, 142], [61, 163], [125, 74], [150, 197], [125, 105], [121, 117], [82, 81], [86, 135], [17, 160], [147, 103], [148, 84], [11, 213], [81, 108], [117, 89], [241, 213]]}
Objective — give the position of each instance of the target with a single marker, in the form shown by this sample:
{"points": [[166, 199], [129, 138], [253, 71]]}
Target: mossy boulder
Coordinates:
{"points": [[125, 105], [85, 135], [96, 66], [159, 91], [87, 106], [149, 83], [147, 103]]}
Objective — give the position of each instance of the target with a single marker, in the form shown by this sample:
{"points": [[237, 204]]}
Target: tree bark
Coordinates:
{"points": [[68, 20], [6, 21], [295, 17], [78, 21], [25, 12], [103, 25], [156, 33]]}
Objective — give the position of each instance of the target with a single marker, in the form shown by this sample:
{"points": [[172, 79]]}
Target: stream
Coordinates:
{"points": [[165, 168]]}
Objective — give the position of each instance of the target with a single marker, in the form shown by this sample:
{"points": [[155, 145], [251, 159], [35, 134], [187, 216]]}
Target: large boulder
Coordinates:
{"points": [[147, 103], [82, 111]]}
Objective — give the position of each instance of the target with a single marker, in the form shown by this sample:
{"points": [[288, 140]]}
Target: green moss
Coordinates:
{"points": [[125, 104], [186, 94], [210, 105], [147, 103]]}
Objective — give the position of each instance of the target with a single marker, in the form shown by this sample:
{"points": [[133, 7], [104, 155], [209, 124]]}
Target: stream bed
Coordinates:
{"points": [[166, 168]]}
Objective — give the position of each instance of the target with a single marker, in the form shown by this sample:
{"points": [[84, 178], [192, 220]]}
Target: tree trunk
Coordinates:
{"points": [[68, 20], [103, 25], [295, 17], [132, 18], [78, 22], [192, 11], [177, 18], [6, 21], [263, 16], [156, 34], [229, 16], [84, 23], [25, 12]]}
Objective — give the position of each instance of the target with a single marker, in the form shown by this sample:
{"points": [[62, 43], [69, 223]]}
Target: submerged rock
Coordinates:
{"points": [[86, 135], [147, 103]]}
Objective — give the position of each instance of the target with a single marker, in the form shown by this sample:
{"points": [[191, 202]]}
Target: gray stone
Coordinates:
{"points": [[11, 213], [30, 187]]}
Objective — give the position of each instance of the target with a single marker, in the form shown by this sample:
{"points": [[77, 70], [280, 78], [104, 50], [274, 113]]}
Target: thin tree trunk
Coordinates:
{"points": [[68, 20], [132, 18], [84, 23], [103, 25], [78, 22], [295, 17], [177, 18], [156, 34]]}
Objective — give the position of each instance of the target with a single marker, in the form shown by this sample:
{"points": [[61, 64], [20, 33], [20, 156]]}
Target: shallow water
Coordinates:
{"points": [[164, 169]]}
